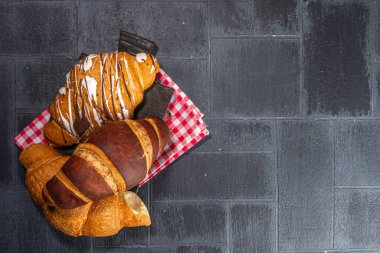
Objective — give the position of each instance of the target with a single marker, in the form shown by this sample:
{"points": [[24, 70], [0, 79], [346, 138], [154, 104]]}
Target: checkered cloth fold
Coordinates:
{"points": [[183, 118]]}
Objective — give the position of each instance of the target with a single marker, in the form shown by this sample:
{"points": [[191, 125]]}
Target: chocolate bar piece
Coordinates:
{"points": [[82, 56], [155, 102], [134, 44]]}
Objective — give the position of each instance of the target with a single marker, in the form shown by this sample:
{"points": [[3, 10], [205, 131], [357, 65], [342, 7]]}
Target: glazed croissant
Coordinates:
{"points": [[99, 89], [85, 194]]}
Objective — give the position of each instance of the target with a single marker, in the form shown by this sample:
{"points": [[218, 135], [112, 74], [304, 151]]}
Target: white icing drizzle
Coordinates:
{"points": [[96, 117], [125, 113], [119, 91], [153, 66], [79, 89], [141, 57], [70, 115], [88, 62], [104, 91], [152, 69], [133, 99], [62, 90], [64, 121], [111, 85], [91, 85], [86, 114]]}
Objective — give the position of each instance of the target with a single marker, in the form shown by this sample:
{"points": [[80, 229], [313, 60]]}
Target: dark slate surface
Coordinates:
{"points": [[336, 46], [357, 220], [243, 83], [306, 152], [188, 223], [38, 28], [231, 18], [253, 228], [6, 129], [276, 17], [180, 29], [357, 158], [234, 176], [376, 90], [38, 80], [291, 94], [239, 135]]}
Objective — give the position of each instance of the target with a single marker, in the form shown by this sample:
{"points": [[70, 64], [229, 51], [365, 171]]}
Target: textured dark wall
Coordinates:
{"points": [[290, 90]]}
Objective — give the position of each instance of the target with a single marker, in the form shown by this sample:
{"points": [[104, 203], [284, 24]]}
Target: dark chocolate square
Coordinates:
{"points": [[155, 102]]}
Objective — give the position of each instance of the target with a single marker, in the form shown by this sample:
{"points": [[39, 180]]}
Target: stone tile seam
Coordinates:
{"points": [[277, 150], [164, 245], [77, 9], [228, 227], [333, 250], [209, 84], [214, 201], [302, 91], [372, 67], [293, 118], [213, 244], [234, 152], [333, 131], [257, 37], [371, 187]]}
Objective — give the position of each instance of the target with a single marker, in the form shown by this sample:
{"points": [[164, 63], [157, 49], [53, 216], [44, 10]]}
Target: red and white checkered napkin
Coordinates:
{"points": [[183, 118]]}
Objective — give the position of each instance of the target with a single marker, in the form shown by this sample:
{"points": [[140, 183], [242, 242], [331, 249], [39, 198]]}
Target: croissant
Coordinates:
{"points": [[99, 89], [85, 194]]}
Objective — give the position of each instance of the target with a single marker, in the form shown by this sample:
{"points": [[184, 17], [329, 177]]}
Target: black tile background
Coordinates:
{"points": [[291, 94]]}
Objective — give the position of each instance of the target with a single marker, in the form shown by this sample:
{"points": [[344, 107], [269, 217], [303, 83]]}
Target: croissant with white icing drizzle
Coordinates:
{"points": [[99, 89]]}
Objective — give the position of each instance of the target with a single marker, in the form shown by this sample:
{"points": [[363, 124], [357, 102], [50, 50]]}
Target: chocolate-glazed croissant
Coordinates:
{"points": [[116, 157], [85, 194], [99, 218], [99, 89]]}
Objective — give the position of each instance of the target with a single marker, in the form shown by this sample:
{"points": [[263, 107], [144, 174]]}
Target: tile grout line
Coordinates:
{"points": [[302, 98], [310, 118], [213, 201], [256, 37], [373, 57], [228, 227], [28, 56], [252, 18], [235, 152], [77, 27], [175, 245], [332, 187], [360, 187], [209, 83], [277, 141]]}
